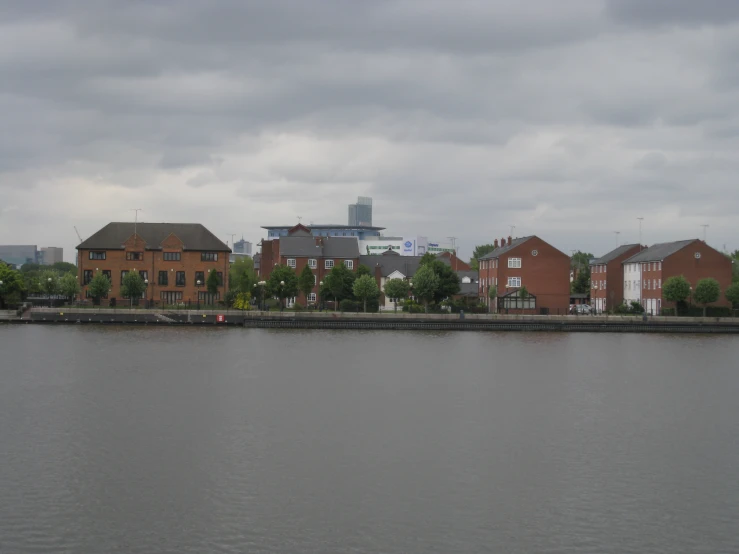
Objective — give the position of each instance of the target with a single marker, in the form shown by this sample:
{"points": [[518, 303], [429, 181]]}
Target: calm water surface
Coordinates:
{"points": [[229, 440]]}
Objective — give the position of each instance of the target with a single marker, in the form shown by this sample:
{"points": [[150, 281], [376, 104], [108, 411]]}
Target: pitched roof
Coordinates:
{"points": [[194, 236], [407, 265], [658, 252], [505, 249], [328, 247], [613, 254]]}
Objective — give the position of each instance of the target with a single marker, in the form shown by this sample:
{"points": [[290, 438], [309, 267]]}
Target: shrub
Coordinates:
{"points": [[348, 305]]}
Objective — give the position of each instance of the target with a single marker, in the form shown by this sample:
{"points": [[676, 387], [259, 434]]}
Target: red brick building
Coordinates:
{"points": [[454, 262], [693, 259], [172, 257], [526, 262], [607, 277], [300, 248]]}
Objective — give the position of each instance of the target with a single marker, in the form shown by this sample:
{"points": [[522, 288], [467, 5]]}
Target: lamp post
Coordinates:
{"points": [[320, 297], [48, 288], [282, 305], [197, 283], [2, 303], [595, 298], [146, 291]]}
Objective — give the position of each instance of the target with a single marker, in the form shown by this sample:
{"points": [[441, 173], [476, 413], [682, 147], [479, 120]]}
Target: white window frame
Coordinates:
{"points": [[349, 264], [514, 263], [311, 297], [514, 282], [328, 264], [291, 263], [315, 279], [312, 263]]}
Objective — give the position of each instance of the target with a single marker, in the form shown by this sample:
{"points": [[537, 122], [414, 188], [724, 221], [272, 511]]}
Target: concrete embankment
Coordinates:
{"points": [[390, 321]]}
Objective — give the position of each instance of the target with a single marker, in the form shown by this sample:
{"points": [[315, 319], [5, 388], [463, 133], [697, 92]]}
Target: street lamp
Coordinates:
{"points": [[282, 305], [49, 290], [320, 298], [146, 288], [595, 297], [1, 295], [197, 283]]}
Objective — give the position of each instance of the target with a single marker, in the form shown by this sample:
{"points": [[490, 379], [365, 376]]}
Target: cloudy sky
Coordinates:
{"points": [[568, 119]]}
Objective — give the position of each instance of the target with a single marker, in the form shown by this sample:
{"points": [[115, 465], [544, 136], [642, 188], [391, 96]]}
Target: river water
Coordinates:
{"points": [[181, 440]]}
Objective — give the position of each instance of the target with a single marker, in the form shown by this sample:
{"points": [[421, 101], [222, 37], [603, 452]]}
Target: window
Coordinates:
{"points": [[86, 276], [123, 275], [144, 275], [514, 262], [163, 278], [172, 257], [654, 284], [170, 297], [291, 262], [312, 263], [220, 278], [659, 266], [109, 275], [199, 278], [209, 256], [134, 256], [349, 264], [328, 264], [179, 278], [207, 298], [514, 282], [646, 283], [97, 255], [659, 283], [315, 279], [312, 297]]}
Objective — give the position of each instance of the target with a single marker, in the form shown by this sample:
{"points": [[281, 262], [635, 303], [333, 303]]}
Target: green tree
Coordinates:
{"points": [[396, 288], [282, 283], [50, 282], [241, 276], [363, 270], [676, 289], [580, 264], [339, 283], [365, 287], [425, 285], [480, 251], [68, 285], [64, 267], [448, 278], [99, 286], [427, 258], [132, 286], [12, 286], [306, 282], [212, 282], [707, 291], [732, 294], [493, 296]]}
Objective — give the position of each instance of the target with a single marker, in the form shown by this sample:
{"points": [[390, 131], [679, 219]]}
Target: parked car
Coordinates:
{"points": [[580, 309]]}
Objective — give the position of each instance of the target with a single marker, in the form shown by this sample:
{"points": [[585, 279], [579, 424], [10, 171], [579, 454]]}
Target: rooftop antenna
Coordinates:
{"points": [[232, 235], [512, 228], [300, 219], [618, 240], [136, 218], [454, 247], [640, 222], [705, 226]]}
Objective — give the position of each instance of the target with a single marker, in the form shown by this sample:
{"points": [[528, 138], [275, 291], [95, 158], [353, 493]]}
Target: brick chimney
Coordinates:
{"points": [[502, 242], [495, 243], [509, 240]]}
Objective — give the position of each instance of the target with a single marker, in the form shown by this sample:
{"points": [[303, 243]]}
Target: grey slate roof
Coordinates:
{"points": [[613, 254], [407, 265], [658, 252], [193, 235], [328, 247], [471, 288], [504, 249]]}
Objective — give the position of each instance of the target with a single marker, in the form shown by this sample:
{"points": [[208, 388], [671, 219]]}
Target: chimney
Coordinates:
{"points": [[509, 240], [502, 242], [495, 243]]}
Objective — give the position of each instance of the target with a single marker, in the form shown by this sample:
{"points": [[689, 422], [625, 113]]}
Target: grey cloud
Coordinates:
{"points": [[682, 12]]}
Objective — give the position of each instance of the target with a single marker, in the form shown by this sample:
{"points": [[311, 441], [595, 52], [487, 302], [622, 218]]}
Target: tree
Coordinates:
{"points": [[732, 294], [50, 282], [523, 294], [365, 287], [132, 286], [363, 270], [339, 284], [676, 289], [448, 279], [241, 302], [479, 251], [64, 267], [397, 288], [581, 283], [425, 285], [282, 283], [306, 282], [99, 287], [69, 286], [427, 258], [241, 276], [580, 265], [706, 292], [493, 296], [212, 282], [12, 285]]}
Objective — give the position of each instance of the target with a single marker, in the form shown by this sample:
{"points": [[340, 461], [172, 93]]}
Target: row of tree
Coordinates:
{"points": [[707, 291]]}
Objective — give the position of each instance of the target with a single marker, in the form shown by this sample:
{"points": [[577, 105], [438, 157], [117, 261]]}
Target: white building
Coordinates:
{"points": [[632, 283], [405, 246]]}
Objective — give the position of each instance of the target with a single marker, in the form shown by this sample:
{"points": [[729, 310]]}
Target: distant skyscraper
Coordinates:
{"points": [[49, 255], [242, 247], [361, 212]]}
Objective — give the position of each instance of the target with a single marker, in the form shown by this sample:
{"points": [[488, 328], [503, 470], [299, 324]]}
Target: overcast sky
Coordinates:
{"points": [[568, 119]]}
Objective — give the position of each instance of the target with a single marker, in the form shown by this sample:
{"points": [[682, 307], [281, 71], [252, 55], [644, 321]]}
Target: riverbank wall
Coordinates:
{"points": [[380, 321]]}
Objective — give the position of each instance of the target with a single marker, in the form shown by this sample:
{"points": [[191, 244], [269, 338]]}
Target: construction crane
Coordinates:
{"points": [[78, 234]]}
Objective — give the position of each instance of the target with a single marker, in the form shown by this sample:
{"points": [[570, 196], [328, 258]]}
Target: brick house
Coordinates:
{"points": [[454, 262], [526, 262], [645, 272], [607, 277], [172, 257], [300, 248]]}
